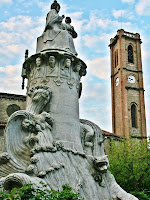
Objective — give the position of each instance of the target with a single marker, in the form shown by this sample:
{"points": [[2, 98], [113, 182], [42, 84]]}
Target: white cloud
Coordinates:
{"points": [[128, 1], [19, 23], [75, 15], [93, 40], [20, 33], [107, 24], [11, 79], [92, 106], [100, 67], [143, 7], [5, 1], [10, 50], [9, 38], [118, 13], [10, 70], [45, 7]]}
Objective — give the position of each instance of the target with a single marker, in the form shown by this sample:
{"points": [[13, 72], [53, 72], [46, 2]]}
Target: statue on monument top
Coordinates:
{"points": [[57, 35]]}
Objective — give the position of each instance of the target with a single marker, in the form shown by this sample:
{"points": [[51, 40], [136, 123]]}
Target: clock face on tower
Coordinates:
{"points": [[117, 81], [131, 79]]}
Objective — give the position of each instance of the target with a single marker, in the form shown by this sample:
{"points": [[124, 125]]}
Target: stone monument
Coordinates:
{"points": [[48, 142]]}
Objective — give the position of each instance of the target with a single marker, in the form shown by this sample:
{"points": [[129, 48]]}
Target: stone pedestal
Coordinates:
{"points": [[62, 73]]}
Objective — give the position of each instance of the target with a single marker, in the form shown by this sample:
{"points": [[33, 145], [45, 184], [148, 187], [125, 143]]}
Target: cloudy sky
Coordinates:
{"points": [[22, 21]]}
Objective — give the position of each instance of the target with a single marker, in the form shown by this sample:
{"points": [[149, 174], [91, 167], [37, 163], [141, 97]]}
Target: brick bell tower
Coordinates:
{"points": [[128, 107]]}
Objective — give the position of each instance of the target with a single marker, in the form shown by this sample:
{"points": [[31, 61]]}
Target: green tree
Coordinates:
{"points": [[28, 192], [130, 164]]}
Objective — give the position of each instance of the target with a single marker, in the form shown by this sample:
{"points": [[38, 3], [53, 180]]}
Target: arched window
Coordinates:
{"points": [[134, 116], [130, 54]]}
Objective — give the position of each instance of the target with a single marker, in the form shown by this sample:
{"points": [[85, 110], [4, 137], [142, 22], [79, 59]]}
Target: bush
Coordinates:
{"points": [[130, 164], [141, 195], [28, 192]]}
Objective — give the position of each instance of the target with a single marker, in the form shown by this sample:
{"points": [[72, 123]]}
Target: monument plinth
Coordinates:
{"points": [[48, 142]]}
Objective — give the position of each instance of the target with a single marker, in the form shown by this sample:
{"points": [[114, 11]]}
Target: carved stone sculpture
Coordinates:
{"points": [[48, 142], [70, 28], [66, 68], [52, 62], [55, 35]]}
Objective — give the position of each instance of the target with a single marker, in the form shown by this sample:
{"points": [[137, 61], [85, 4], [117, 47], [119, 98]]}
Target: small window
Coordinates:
{"points": [[130, 54], [116, 58], [134, 116]]}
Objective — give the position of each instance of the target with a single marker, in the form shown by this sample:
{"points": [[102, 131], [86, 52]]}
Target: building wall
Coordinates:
{"points": [[2, 138], [9, 103]]}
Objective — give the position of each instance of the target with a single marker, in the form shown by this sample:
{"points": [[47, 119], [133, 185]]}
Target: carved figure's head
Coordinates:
{"points": [[40, 94], [67, 63], [52, 61], [55, 6], [78, 67], [101, 163], [38, 62], [83, 72], [68, 20]]}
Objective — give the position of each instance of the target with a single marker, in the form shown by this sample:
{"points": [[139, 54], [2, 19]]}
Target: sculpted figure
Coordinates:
{"points": [[38, 67], [35, 71], [53, 17], [55, 35], [27, 130], [38, 62], [52, 62], [67, 63], [66, 67], [51, 66], [76, 69], [70, 28]]}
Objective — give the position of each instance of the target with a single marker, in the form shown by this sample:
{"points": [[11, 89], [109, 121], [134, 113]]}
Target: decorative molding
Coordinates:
{"points": [[130, 70], [134, 88], [39, 66], [13, 96]]}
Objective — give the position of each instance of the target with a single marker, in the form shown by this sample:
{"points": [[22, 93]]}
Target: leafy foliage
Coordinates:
{"points": [[141, 195], [130, 164], [28, 192]]}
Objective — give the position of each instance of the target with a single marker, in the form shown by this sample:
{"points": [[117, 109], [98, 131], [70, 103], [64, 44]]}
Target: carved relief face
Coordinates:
{"points": [[52, 61], [101, 163], [78, 67], [67, 63], [38, 62]]}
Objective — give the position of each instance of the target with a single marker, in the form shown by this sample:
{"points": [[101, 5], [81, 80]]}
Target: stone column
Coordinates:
{"points": [[62, 73]]}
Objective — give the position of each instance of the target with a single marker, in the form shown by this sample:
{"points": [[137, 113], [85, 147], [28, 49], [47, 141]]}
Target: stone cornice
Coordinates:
{"points": [[13, 96], [134, 88], [130, 70]]}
